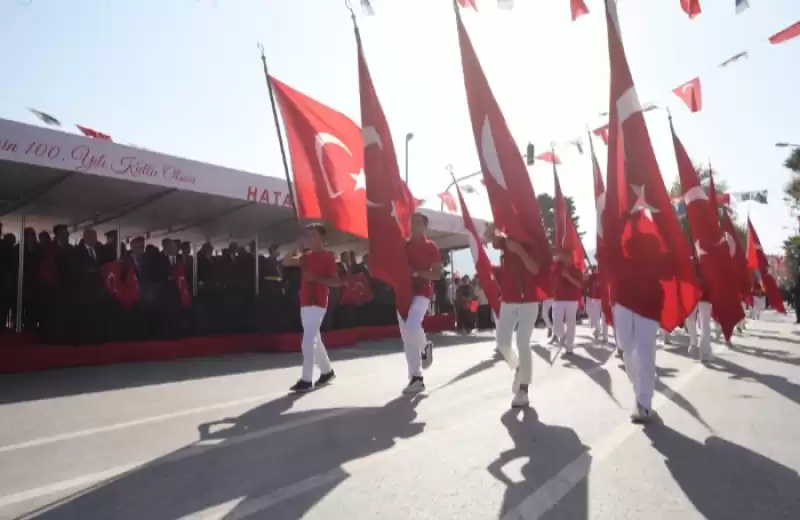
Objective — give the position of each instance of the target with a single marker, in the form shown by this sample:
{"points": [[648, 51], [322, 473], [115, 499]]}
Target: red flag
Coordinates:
{"points": [[468, 3], [566, 236], [550, 157], [126, 292], [600, 205], [505, 175], [578, 8], [327, 161], [650, 267], [710, 247], [793, 31], [756, 259], [483, 266], [179, 276], [741, 273], [602, 133], [448, 201], [691, 94], [389, 203], [355, 289], [94, 134], [691, 7]]}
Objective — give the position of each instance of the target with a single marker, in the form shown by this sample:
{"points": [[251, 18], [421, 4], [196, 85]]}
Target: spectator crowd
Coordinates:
{"points": [[97, 292]]}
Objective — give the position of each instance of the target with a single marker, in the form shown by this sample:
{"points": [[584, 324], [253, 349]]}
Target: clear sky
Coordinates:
{"points": [[184, 77]]}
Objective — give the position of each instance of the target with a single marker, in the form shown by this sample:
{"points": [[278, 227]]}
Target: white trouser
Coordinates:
{"points": [[759, 304], [546, 306], [704, 320], [414, 335], [636, 336], [691, 326], [565, 313], [313, 349], [523, 317], [594, 308]]}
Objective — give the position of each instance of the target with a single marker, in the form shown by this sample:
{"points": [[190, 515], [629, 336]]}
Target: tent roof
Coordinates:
{"points": [[53, 177]]}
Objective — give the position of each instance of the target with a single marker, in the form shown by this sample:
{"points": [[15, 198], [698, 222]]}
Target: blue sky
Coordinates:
{"points": [[184, 77]]}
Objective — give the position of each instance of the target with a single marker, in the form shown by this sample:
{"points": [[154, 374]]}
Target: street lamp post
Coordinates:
{"points": [[409, 137]]}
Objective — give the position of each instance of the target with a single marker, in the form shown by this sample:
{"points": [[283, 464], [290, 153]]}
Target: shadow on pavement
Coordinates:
{"points": [[236, 465], [17, 388], [780, 356], [546, 450], [778, 384], [594, 369], [725, 481]]}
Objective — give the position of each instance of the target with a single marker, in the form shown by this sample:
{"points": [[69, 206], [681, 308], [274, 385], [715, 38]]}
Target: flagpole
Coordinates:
{"points": [[555, 173], [278, 131]]}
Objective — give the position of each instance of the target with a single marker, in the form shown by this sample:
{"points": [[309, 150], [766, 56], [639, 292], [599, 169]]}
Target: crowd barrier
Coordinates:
{"points": [[21, 353]]}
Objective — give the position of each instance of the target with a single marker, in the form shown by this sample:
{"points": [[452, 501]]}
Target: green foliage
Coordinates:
{"points": [[792, 188], [791, 250], [547, 205]]}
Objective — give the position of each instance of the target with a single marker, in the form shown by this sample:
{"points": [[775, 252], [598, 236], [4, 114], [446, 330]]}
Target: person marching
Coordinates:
{"points": [[518, 310], [425, 261], [759, 299], [594, 307], [567, 285], [547, 308], [319, 273]]}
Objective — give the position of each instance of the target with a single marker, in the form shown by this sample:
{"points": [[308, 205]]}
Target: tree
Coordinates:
{"points": [[704, 172], [792, 189], [547, 205]]}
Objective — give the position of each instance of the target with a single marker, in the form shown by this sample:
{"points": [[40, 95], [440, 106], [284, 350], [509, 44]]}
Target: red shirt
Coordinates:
{"points": [[422, 255], [565, 290], [594, 287], [319, 263], [517, 283]]}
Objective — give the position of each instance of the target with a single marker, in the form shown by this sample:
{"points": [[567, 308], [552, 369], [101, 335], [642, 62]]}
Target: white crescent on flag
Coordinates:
{"points": [[322, 139], [489, 153]]}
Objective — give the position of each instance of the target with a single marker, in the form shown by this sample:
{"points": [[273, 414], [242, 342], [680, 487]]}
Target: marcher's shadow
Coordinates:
{"points": [[778, 384], [595, 371], [780, 356], [725, 481], [262, 453], [547, 450], [476, 369]]}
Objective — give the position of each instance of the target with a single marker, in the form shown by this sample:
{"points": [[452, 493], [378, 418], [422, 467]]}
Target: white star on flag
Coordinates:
{"points": [[361, 180], [641, 203]]}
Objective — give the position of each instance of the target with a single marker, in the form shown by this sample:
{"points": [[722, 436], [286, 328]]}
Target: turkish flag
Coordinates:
{"points": [[711, 249], [327, 161], [649, 261], [691, 7], [566, 236], [691, 94], [126, 291], [94, 134], [511, 195], [468, 3], [550, 157], [756, 259], [389, 203], [448, 201], [793, 31], [355, 289], [179, 276], [599, 206], [741, 273], [578, 8], [602, 133], [483, 266]]}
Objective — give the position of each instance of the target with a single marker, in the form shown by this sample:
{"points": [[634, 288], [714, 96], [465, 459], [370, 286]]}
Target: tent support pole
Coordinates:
{"points": [[195, 261], [20, 274], [255, 256], [119, 240]]}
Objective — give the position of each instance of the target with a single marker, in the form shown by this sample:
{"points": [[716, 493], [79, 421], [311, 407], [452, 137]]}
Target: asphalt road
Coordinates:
{"points": [[220, 438]]}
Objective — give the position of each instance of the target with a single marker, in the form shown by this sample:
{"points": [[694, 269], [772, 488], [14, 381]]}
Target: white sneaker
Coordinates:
{"points": [[520, 400], [706, 355], [641, 415], [415, 386]]}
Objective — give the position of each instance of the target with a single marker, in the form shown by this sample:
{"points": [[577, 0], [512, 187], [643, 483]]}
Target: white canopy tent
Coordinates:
{"points": [[50, 177], [54, 177]]}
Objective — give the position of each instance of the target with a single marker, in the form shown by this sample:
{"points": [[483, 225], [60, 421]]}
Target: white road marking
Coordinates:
{"points": [[554, 490], [196, 449]]}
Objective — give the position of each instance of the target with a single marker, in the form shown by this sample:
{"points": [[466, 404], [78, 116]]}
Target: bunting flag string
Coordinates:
{"points": [[691, 8]]}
